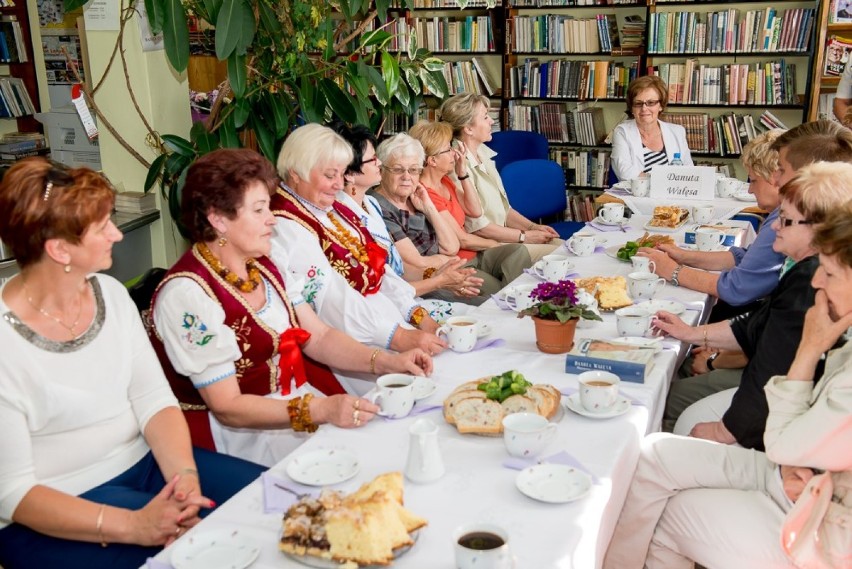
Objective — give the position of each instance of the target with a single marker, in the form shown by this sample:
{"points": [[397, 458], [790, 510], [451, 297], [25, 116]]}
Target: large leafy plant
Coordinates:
{"points": [[289, 62]]}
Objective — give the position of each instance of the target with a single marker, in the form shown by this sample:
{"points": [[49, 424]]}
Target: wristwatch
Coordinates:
{"points": [[711, 359], [675, 273], [522, 236]]}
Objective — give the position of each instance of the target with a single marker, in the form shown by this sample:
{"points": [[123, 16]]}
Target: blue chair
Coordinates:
{"points": [[514, 145], [536, 190], [754, 218]]}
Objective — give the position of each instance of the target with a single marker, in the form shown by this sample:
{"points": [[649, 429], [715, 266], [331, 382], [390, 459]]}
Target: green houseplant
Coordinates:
{"points": [[289, 62], [555, 313]]}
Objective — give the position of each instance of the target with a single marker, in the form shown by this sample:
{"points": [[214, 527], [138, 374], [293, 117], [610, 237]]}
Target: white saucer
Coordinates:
{"points": [[624, 186], [538, 269], [423, 388], [655, 306], [554, 483], [214, 549], [745, 197], [602, 221], [654, 343], [694, 247], [622, 406], [323, 467], [483, 329]]}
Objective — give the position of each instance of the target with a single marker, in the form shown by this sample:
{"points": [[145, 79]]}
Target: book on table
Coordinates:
{"points": [[629, 362]]}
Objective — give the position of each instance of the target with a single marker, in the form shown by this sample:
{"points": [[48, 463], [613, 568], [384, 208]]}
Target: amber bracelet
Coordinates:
{"points": [[293, 411], [428, 272], [99, 525], [305, 421]]}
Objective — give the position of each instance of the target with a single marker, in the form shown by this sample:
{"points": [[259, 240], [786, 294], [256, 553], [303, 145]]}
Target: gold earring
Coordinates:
{"points": [[222, 241]]}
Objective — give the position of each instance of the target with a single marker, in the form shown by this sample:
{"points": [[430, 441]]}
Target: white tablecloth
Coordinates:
{"points": [[477, 487]]}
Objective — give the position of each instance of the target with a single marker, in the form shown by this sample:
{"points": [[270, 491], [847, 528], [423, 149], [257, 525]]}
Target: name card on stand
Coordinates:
{"points": [[683, 183]]}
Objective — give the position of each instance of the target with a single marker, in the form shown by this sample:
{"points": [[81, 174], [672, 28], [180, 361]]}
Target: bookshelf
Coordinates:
{"points": [[825, 84], [19, 67]]}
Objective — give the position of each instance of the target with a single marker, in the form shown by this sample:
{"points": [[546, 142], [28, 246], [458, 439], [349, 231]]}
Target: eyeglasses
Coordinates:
{"points": [[414, 171], [787, 222], [649, 104], [450, 149], [373, 159]]}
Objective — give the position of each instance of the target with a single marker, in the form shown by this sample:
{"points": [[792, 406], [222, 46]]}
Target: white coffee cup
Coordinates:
{"points": [[632, 321], [582, 244], [643, 285], [526, 434], [702, 213], [643, 264], [553, 267], [471, 541], [612, 212], [641, 186], [727, 187], [598, 390], [708, 239], [461, 333], [518, 297], [394, 395]]}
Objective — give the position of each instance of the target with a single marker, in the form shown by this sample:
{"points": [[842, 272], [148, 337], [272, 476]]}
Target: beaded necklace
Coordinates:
{"points": [[230, 277], [356, 248]]}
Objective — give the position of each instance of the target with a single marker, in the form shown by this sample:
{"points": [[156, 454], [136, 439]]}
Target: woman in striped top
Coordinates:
{"points": [[644, 141]]}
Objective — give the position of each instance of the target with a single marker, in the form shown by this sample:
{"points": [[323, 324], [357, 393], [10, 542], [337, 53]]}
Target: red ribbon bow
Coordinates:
{"points": [[291, 362], [377, 256]]}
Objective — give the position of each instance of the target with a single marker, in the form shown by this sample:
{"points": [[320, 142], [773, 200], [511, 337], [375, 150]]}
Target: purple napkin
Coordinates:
{"points": [[605, 228], [152, 563], [500, 301], [530, 271], [276, 499], [562, 457], [488, 343]]}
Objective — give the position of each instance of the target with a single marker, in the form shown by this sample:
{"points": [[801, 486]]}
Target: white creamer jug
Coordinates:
{"points": [[424, 462]]}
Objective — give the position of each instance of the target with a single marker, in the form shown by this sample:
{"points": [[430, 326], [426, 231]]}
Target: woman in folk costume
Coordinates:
{"points": [[342, 269], [231, 336]]}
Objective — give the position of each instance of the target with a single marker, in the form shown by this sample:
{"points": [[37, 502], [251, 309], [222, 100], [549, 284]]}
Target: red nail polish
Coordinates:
{"points": [[212, 504]]}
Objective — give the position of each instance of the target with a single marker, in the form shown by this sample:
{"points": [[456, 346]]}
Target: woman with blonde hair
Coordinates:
{"points": [[644, 141], [467, 114]]}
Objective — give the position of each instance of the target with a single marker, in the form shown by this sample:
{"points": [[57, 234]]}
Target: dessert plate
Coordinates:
{"points": [[554, 483], [624, 186], [214, 549], [655, 306], [602, 221], [323, 467], [622, 406], [694, 247], [423, 388], [324, 563]]}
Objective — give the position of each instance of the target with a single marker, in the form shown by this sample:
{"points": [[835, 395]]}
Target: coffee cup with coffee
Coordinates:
{"points": [[482, 546], [598, 390], [643, 285], [527, 434], [702, 213], [632, 321], [708, 239], [581, 244], [394, 395], [612, 212], [461, 333]]}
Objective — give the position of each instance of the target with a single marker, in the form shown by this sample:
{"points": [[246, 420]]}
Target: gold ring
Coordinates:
{"points": [[357, 404], [357, 422], [355, 415], [177, 531]]}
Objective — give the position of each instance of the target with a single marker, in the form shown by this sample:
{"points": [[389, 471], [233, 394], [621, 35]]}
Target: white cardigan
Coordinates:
{"points": [[628, 159]]}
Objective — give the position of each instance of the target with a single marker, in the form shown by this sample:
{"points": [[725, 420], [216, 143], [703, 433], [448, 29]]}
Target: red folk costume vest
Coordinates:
{"points": [[256, 372], [365, 278]]}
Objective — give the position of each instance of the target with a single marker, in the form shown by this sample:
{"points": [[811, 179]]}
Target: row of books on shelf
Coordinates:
{"points": [[723, 135], [565, 34], [558, 123], [12, 46], [14, 99], [469, 77], [401, 122], [442, 33], [583, 168], [135, 202], [561, 78], [769, 83], [729, 31]]}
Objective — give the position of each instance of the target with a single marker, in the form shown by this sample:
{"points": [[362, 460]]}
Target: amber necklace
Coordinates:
{"points": [[46, 314], [356, 248], [230, 277]]}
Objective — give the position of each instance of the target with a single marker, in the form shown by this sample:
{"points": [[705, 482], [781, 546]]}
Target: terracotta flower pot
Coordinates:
{"points": [[553, 336]]}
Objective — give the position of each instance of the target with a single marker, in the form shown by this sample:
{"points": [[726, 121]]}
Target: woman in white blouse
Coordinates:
{"points": [[231, 334], [645, 141], [721, 506], [342, 270], [97, 468]]}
